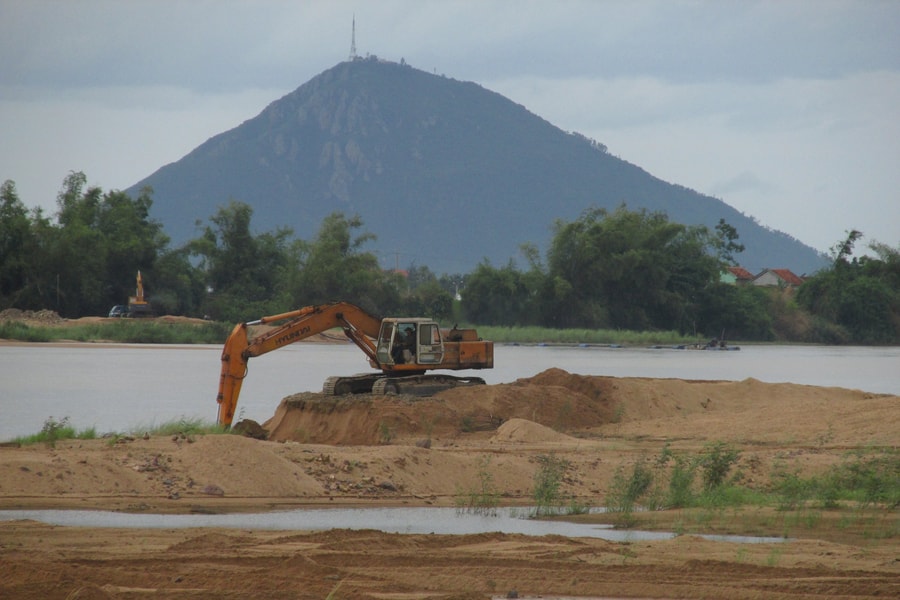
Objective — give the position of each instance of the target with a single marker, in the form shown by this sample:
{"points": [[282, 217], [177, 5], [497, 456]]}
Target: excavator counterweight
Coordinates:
{"points": [[402, 349]]}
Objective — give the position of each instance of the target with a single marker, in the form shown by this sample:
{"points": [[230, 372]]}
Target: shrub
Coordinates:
{"points": [[681, 483], [547, 482], [716, 463], [626, 491], [482, 499], [791, 491], [876, 476]]}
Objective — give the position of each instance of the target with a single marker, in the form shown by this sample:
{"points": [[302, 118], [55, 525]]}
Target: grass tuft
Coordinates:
{"points": [[483, 498], [56, 430]]}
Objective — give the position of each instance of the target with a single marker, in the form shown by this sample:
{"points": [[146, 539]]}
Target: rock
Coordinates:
{"points": [[212, 490], [251, 429]]}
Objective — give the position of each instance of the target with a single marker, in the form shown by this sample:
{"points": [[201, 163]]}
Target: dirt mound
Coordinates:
{"points": [[251, 429], [521, 430], [591, 406], [595, 388], [558, 400]]}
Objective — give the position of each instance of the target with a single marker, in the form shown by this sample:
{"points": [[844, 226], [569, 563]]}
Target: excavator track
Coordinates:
{"points": [[380, 384], [353, 384], [422, 385]]}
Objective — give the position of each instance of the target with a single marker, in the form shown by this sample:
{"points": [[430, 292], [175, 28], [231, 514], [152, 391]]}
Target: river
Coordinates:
{"points": [[441, 521], [132, 387]]}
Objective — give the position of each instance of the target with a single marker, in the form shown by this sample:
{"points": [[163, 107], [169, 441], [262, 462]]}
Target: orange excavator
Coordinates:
{"points": [[402, 349]]}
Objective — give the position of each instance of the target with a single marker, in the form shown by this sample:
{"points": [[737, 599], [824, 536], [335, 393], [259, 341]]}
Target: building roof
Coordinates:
{"points": [[741, 273], [785, 275]]}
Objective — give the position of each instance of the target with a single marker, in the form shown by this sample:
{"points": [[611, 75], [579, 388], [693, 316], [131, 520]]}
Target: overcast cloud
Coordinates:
{"points": [[787, 110]]}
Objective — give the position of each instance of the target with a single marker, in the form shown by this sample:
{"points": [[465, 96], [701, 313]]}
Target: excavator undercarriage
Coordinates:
{"points": [[410, 385]]}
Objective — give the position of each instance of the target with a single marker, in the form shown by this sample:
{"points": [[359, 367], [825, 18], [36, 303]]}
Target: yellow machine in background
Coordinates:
{"points": [[137, 304]]}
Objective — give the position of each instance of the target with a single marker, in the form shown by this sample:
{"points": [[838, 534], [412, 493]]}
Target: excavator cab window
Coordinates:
{"points": [[384, 348], [431, 347], [404, 346], [410, 342]]}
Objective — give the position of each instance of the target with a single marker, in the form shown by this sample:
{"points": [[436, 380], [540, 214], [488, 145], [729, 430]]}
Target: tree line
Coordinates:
{"points": [[623, 269]]}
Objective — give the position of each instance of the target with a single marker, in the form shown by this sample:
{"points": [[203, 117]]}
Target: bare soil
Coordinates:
{"points": [[403, 451]]}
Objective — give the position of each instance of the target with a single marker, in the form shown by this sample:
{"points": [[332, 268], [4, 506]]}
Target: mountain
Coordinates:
{"points": [[445, 173]]}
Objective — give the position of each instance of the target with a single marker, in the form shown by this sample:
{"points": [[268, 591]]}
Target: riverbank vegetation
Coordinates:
{"points": [[125, 331], [575, 336], [58, 430], [854, 500], [604, 273], [134, 331], [863, 478]]}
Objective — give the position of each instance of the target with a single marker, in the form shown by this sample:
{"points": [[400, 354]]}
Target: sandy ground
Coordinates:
{"points": [[402, 451], [399, 451]]}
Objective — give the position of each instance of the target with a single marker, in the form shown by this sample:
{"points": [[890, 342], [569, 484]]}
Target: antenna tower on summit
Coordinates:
{"points": [[353, 40]]}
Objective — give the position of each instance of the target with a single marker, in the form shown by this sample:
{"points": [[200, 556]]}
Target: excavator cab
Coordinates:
{"points": [[409, 342]]}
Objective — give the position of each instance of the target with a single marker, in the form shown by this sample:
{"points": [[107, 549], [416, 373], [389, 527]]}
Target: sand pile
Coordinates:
{"points": [[521, 430], [554, 399]]}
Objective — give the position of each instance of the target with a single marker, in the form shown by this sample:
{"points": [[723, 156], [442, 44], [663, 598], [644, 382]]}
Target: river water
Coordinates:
{"points": [[441, 521], [132, 387]]}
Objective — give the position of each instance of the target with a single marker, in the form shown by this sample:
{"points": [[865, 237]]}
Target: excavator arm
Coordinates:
{"points": [[358, 325]]}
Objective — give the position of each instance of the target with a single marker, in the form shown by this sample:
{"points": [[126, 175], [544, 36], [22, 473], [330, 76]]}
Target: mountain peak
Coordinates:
{"points": [[445, 173]]}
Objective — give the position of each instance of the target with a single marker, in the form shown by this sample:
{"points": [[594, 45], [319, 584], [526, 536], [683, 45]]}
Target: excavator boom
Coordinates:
{"points": [[358, 325]]}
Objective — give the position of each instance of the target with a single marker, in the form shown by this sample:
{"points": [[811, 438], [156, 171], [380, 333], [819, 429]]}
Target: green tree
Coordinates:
{"points": [[425, 296], [17, 246], [735, 312], [132, 241], [629, 269], [86, 260], [841, 252], [179, 288], [77, 252], [859, 295], [247, 275], [334, 267], [868, 308], [725, 243], [495, 296]]}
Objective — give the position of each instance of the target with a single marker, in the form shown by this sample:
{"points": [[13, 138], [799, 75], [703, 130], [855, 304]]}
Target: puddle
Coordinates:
{"points": [[443, 521]]}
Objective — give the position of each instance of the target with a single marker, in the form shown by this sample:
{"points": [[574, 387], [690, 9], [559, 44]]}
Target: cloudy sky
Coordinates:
{"points": [[787, 110]]}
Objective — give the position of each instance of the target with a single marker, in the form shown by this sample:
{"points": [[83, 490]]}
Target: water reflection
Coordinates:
{"points": [[443, 521]]}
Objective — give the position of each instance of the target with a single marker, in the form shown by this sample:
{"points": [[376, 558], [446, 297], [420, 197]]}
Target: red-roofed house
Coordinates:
{"points": [[778, 278], [741, 275]]}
